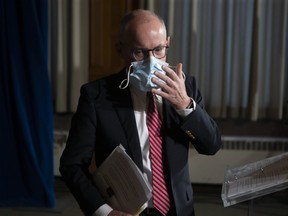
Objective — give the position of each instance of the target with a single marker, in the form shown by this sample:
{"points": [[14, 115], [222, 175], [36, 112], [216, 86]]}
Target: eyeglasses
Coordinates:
{"points": [[158, 52]]}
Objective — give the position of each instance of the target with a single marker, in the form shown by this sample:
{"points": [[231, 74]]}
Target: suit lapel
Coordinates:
{"points": [[124, 110]]}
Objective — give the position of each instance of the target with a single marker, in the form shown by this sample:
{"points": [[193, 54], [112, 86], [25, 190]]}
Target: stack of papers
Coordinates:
{"points": [[121, 183]]}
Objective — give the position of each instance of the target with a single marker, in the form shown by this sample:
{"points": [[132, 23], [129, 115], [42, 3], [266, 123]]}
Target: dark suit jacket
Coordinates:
{"points": [[105, 118]]}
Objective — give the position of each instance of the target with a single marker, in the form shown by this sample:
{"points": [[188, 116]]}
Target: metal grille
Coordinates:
{"points": [[254, 143]]}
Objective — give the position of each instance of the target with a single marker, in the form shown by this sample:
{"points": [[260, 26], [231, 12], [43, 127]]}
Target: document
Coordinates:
{"points": [[122, 183], [255, 179], [262, 177]]}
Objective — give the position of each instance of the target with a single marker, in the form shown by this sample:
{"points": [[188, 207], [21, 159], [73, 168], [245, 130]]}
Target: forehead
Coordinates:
{"points": [[145, 32]]}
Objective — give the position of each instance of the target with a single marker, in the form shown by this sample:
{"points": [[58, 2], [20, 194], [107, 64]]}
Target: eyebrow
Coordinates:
{"points": [[148, 48]]}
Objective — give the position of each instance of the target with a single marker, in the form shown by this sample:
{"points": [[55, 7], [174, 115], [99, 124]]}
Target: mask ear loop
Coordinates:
{"points": [[126, 80]]}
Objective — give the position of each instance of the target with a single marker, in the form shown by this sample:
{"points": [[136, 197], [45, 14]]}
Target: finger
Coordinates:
{"points": [[169, 73], [179, 70], [160, 75], [161, 93], [165, 83], [165, 79]]}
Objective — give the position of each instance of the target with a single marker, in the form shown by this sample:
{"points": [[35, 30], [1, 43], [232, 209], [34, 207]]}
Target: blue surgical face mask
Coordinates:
{"points": [[143, 71]]}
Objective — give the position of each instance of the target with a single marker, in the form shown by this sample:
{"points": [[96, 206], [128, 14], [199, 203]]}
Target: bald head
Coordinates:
{"points": [[136, 19]]}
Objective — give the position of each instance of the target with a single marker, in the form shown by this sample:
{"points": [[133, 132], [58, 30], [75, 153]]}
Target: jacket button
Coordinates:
{"points": [[189, 133]]}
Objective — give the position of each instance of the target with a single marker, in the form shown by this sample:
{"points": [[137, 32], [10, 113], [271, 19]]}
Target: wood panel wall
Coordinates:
{"points": [[105, 17]]}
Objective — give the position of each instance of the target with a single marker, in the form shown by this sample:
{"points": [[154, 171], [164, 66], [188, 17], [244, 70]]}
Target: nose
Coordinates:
{"points": [[148, 53]]}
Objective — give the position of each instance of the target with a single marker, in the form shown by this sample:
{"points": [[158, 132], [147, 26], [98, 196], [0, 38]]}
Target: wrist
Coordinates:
{"points": [[191, 105]]}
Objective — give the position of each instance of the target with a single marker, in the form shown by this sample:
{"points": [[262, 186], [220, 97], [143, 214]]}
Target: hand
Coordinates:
{"points": [[118, 213], [173, 88]]}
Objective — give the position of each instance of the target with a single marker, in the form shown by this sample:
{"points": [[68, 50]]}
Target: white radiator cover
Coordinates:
{"points": [[235, 151]]}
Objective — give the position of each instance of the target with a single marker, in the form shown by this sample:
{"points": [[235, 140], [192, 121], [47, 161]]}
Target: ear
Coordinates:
{"points": [[168, 41]]}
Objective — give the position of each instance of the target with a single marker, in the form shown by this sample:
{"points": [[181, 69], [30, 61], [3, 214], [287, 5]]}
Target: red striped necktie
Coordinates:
{"points": [[160, 194]]}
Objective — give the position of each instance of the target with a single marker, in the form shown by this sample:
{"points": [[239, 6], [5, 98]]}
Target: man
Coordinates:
{"points": [[109, 114]]}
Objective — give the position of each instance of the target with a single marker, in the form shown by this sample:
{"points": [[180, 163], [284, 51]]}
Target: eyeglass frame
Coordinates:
{"points": [[146, 51]]}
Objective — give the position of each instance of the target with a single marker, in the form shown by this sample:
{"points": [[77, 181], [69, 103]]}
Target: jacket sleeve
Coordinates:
{"points": [[199, 126], [77, 156]]}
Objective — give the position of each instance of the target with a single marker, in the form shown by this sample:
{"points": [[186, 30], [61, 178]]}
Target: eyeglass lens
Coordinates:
{"points": [[158, 52]]}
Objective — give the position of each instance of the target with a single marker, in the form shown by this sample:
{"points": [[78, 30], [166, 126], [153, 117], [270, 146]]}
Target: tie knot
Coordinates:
{"points": [[150, 95], [151, 101]]}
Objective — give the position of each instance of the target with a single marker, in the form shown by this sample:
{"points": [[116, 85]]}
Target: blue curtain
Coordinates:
{"points": [[26, 116]]}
